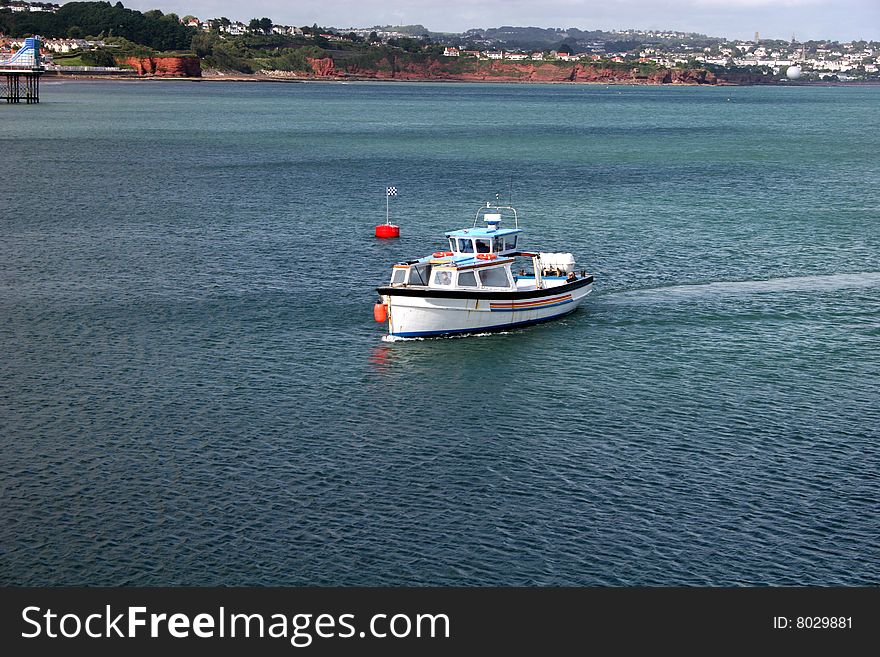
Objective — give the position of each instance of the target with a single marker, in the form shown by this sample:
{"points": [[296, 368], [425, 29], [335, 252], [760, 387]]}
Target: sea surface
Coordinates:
{"points": [[193, 390]]}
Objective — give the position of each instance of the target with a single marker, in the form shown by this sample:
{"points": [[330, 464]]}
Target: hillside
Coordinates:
{"points": [[154, 43]]}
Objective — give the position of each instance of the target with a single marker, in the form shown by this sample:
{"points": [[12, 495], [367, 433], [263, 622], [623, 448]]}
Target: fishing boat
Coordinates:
{"points": [[483, 282]]}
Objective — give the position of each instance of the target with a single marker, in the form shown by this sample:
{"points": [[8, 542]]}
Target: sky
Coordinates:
{"points": [[840, 20]]}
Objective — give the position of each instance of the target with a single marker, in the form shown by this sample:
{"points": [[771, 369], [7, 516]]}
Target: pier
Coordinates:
{"points": [[20, 86], [20, 75]]}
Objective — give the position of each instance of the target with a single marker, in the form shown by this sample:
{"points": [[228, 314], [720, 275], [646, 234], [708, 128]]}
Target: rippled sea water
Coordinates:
{"points": [[193, 390]]}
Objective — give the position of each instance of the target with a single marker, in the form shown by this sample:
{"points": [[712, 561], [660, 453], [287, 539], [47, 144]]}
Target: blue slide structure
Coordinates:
{"points": [[27, 57]]}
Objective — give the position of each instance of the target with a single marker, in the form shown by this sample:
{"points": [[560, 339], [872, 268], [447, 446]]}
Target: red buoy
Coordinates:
{"points": [[387, 230], [380, 312]]}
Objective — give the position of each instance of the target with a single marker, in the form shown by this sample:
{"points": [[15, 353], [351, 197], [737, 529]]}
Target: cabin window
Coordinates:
{"points": [[419, 274], [484, 245], [465, 245], [398, 276], [498, 245], [452, 244], [494, 277], [443, 277], [509, 242], [467, 279]]}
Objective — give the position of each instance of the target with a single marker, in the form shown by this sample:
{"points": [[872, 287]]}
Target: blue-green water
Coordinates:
{"points": [[193, 390]]}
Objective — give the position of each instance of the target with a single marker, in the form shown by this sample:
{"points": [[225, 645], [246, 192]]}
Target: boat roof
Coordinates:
{"points": [[459, 261], [482, 231]]}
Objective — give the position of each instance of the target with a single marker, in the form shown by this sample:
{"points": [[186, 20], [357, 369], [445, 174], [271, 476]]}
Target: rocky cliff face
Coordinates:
{"points": [[166, 67], [500, 71], [749, 78], [683, 76], [322, 68]]}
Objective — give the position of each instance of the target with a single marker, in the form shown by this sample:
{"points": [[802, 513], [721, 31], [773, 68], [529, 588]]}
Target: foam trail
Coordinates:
{"points": [[739, 288], [456, 336], [398, 338]]}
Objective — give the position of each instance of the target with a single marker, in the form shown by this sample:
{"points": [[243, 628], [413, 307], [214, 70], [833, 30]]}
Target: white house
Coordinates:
{"points": [[235, 29], [65, 45], [284, 29]]}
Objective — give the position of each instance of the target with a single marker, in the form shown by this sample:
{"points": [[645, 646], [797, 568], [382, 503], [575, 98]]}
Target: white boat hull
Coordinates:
{"points": [[428, 315]]}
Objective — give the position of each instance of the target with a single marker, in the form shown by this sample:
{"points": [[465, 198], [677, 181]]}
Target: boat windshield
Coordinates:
{"points": [[419, 274]]}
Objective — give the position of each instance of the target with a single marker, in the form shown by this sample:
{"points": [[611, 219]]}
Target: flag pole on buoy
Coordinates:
{"points": [[389, 192], [388, 229]]}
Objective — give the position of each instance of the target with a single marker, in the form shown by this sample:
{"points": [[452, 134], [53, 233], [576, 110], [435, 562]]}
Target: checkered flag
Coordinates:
{"points": [[391, 191]]}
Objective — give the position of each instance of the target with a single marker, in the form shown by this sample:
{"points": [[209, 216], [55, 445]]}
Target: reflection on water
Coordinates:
{"points": [[380, 358]]}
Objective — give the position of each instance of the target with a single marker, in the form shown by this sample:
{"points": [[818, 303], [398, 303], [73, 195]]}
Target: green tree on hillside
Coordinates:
{"points": [[406, 43], [263, 25], [203, 43], [97, 58], [153, 28]]}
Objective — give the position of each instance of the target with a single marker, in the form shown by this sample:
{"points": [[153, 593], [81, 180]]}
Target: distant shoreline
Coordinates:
{"points": [[256, 78], [265, 79]]}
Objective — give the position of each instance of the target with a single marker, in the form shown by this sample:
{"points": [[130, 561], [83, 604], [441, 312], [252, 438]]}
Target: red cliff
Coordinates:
{"points": [[322, 68], [166, 67], [501, 71]]}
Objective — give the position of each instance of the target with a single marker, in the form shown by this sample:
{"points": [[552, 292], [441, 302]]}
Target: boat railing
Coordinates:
{"points": [[484, 209]]}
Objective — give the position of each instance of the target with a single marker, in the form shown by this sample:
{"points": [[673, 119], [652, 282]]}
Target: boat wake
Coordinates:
{"points": [[739, 288], [397, 338], [457, 336]]}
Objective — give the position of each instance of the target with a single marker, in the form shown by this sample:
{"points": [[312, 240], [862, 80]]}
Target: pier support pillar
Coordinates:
{"points": [[21, 85]]}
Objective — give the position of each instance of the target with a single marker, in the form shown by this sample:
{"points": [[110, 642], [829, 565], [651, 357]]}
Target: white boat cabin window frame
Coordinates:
{"points": [[442, 277], [400, 273], [490, 271], [485, 242], [472, 274], [461, 241]]}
